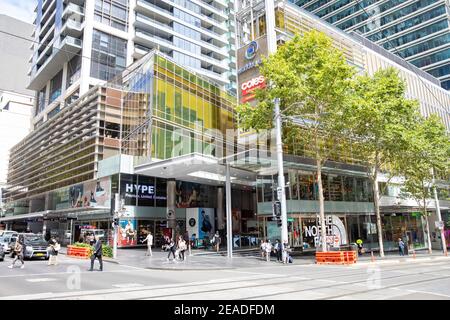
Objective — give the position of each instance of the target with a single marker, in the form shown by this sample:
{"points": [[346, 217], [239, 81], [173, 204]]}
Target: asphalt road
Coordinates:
{"points": [[420, 279]]}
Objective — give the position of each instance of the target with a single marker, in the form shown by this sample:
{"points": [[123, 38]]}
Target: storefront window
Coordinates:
{"points": [[306, 185], [336, 187]]}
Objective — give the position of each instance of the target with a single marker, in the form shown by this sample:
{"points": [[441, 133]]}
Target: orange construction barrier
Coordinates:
{"points": [[78, 252], [336, 257]]}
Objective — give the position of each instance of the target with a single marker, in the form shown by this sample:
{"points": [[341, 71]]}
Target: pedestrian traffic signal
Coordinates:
{"points": [[277, 209]]}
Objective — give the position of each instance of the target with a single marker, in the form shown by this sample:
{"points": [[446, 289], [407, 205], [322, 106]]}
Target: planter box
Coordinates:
{"points": [[78, 252]]}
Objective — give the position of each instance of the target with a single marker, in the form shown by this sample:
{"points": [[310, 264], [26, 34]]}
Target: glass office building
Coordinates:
{"points": [[416, 30]]}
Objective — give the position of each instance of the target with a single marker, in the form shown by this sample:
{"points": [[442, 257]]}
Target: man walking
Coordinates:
{"points": [[217, 241], [149, 240], [98, 253], [401, 247], [278, 250]]}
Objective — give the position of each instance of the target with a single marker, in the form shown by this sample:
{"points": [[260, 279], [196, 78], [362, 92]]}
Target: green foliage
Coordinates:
{"points": [[107, 251], [380, 117], [428, 152], [309, 76]]}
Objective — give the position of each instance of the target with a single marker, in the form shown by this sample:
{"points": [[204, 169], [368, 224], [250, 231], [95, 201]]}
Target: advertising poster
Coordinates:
{"points": [[76, 196], [192, 222], [97, 193], [127, 233], [205, 223]]}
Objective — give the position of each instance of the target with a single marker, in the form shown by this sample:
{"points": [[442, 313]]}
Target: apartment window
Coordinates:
{"points": [[73, 70], [40, 106], [55, 87], [113, 13], [108, 56]]}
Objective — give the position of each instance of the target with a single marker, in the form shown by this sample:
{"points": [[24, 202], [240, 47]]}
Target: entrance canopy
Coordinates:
{"points": [[244, 167], [197, 168]]}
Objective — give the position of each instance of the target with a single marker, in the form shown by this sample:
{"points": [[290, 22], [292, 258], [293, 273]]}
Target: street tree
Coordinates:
{"points": [[428, 152], [380, 117], [312, 80]]}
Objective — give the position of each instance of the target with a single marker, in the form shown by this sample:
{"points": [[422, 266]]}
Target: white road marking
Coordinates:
{"points": [[41, 280], [128, 285]]}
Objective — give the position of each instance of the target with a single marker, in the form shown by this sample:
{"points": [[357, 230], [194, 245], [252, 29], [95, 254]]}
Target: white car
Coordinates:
{"points": [[5, 239]]}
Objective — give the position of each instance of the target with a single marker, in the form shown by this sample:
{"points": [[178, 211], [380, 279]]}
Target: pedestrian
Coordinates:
{"points": [[359, 243], [286, 248], [97, 254], [53, 250], [172, 249], [401, 247], [268, 250], [182, 247], [217, 241], [149, 240], [19, 247], [263, 248], [278, 250]]}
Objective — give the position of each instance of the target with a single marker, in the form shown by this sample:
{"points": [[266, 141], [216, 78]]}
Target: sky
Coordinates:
{"points": [[19, 9]]}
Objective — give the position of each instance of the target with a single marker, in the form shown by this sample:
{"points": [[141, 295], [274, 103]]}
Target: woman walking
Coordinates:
{"points": [[268, 250], [18, 251], [181, 247], [53, 252]]}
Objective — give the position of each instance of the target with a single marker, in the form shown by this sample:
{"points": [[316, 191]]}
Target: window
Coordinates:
{"points": [[108, 56]]}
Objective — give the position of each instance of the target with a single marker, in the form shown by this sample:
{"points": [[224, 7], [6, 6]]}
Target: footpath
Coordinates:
{"points": [[208, 260]]}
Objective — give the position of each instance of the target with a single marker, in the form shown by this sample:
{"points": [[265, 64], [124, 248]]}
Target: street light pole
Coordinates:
{"points": [[281, 182], [438, 213], [272, 48]]}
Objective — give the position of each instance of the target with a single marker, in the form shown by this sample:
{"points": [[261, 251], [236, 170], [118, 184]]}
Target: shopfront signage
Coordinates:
{"points": [[248, 66], [141, 191], [250, 86], [251, 50]]}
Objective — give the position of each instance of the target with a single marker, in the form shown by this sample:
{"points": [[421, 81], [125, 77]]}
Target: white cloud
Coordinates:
{"points": [[19, 9]]}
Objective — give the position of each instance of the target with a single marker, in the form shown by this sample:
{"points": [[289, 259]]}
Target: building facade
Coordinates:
{"points": [[79, 44], [16, 101], [347, 190], [417, 31]]}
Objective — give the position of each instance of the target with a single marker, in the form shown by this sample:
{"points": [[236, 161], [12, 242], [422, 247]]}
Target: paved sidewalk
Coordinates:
{"points": [[201, 260]]}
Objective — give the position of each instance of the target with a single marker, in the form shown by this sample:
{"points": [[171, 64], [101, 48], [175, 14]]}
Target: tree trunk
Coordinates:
{"points": [[323, 231], [376, 203], [427, 225]]}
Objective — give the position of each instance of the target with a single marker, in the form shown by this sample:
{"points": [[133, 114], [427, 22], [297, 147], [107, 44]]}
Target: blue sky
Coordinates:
{"points": [[19, 9]]}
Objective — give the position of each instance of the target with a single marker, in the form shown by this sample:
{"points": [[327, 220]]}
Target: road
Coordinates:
{"points": [[420, 279]]}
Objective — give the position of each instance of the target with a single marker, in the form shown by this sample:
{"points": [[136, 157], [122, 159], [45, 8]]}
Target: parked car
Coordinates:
{"points": [[35, 246], [5, 239], [2, 254]]}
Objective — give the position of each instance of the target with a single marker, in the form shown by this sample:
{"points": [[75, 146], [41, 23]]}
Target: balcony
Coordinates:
{"points": [[61, 53], [73, 28], [73, 11]]}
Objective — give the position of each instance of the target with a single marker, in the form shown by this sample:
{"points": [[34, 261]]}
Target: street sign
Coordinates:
{"points": [[279, 192], [290, 219], [439, 224]]}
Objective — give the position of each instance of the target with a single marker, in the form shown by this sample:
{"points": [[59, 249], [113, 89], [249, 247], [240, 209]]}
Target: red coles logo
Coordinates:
{"points": [[255, 83]]}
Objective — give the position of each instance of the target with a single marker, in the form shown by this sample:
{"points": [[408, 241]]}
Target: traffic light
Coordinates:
{"points": [[279, 224], [277, 210]]}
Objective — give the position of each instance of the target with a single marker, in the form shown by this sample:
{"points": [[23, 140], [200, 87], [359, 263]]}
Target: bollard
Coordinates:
{"points": [[190, 252], [372, 257], [414, 254]]}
